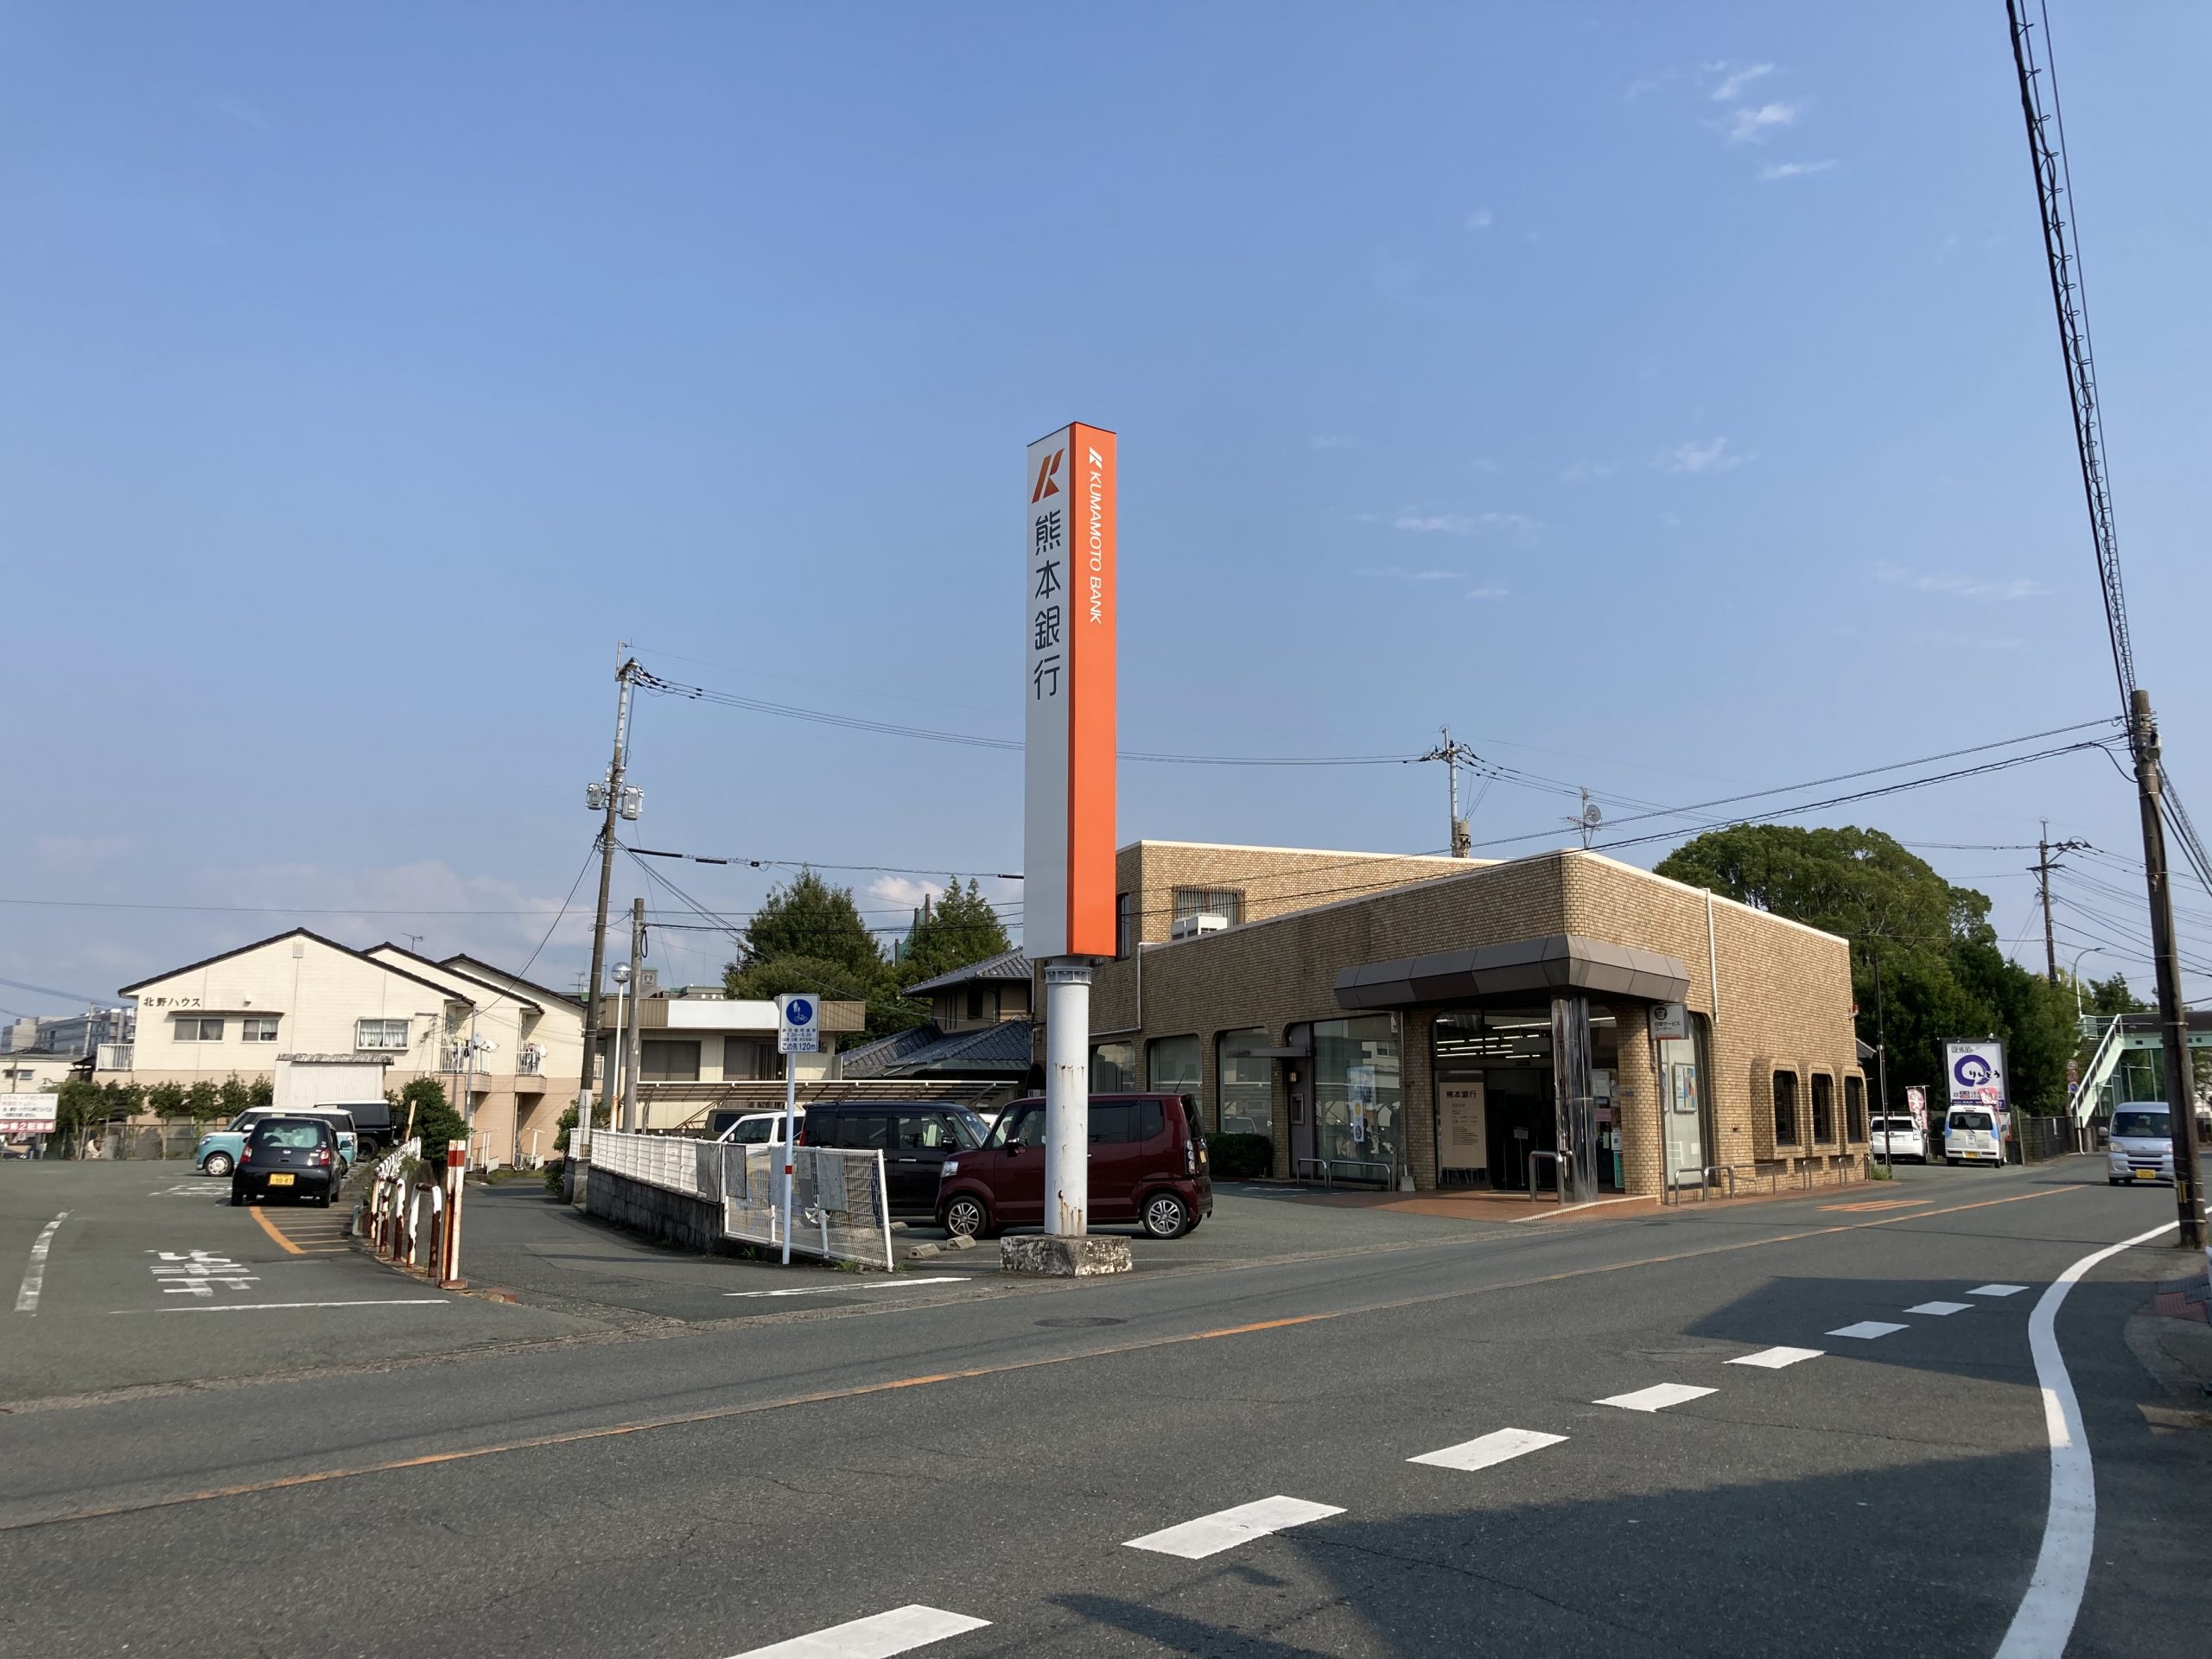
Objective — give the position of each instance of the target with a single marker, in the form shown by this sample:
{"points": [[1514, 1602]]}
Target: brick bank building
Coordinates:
{"points": [[1386, 1020]]}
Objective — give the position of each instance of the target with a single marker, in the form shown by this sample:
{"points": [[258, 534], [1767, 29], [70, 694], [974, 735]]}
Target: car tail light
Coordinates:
{"points": [[245, 1154], [323, 1157], [1190, 1157]]}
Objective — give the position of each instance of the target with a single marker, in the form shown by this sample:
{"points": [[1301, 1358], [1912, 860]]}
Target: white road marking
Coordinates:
{"points": [[1657, 1397], [1941, 1309], [1211, 1534], [1773, 1359], [34, 1275], [878, 1637], [256, 1307], [2045, 1618], [198, 1273], [1497, 1447], [832, 1290], [1867, 1330], [1996, 1290]]}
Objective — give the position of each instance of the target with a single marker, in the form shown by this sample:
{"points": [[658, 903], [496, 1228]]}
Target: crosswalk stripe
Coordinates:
{"points": [[1867, 1330], [1211, 1534], [1493, 1448], [1773, 1359], [1657, 1397], [1996, 1290], [1940, 1309], [877, 1636]]}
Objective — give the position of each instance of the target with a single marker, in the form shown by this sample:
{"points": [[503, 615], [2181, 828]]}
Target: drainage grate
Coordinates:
{"points": [[1079, 1323]]}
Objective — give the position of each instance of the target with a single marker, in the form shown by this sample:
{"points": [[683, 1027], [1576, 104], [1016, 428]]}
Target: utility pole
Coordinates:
{"points": [[2044, 864], [637, 995], [2173, 1020], [1882, 1060], [1452, 753], [581, 1139]]}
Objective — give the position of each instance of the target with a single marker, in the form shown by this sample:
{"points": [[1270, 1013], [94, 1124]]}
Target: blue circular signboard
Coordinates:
{"points": [[799, 1011]]}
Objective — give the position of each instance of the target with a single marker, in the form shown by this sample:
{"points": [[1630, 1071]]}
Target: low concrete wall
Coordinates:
{"points": [[696, 1224]]}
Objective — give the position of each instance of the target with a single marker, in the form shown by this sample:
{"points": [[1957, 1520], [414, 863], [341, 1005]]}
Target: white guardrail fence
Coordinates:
{"points": [[840, 1207]]}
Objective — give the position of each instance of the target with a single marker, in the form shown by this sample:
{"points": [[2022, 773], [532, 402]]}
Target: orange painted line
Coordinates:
{"points": [[861, 1391], [269, 1228]]}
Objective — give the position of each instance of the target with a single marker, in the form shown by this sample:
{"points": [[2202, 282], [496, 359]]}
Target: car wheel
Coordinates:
{"points": [[217, 1164], [1953, 1162], [1165, 1215], [967, 1216]]}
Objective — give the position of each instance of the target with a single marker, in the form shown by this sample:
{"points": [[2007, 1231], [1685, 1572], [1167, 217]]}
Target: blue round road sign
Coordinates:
{"points": [[799, 1011]]}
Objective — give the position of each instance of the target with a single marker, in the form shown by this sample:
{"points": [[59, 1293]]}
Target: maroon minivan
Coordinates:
{"points": [[1147, 1167]]}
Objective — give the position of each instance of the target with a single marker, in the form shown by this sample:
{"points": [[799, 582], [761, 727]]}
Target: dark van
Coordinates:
{"points": [[914, 1136], [1147, 1165]]}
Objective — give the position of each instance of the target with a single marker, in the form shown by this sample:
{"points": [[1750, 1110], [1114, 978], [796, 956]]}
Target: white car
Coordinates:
{"points": [[759, 1130], [1971, 1136], [1899, 1138], [2142, 1146]]}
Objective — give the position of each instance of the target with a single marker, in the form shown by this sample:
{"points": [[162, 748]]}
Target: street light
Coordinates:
{"points": [[2074, 973]]}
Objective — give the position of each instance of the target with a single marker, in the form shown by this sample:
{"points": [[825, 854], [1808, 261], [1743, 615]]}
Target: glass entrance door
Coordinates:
{"points": [[1681, 1097]]}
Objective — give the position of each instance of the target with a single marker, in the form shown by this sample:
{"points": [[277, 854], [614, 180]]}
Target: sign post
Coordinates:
{"points": [[799, 1031], [1069, 608]]}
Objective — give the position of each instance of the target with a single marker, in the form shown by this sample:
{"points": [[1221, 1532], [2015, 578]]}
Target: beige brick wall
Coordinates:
{"points": [[1783, 993]]}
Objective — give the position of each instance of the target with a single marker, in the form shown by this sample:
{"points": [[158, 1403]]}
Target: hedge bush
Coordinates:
{"points": [[1241, 1157]]}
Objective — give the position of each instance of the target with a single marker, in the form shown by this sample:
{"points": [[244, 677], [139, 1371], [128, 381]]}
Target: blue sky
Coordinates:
{"points": [[1665, 396]]}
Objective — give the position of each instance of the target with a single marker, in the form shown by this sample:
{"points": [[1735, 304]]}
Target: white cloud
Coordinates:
{"points": [[1488, 593], [1735, 78], [1755, 123], [1481, 220], [1713, 457], [1463, 523], [243, 113], [1774, 170], [903, 891], [1578, 471], [1332, 440], [1959, 587]]}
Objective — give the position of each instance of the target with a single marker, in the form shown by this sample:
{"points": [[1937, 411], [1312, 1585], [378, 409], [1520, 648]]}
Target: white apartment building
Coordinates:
{"points": [[511, 1049]]}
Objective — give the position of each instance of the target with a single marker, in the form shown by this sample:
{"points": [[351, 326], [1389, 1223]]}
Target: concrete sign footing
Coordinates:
{"points": [[1055, 1256]]}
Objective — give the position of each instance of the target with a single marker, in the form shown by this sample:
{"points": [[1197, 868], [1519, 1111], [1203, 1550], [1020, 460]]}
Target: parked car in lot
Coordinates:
{"points": [[288, 1157], [1899, 1138], [755, 1129], [218, 1151], [1971, 1136], [1147, 1165], [915, 1137]]}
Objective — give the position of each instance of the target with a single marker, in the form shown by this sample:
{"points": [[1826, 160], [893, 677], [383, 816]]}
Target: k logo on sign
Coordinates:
{"points": [[1048, 477]]}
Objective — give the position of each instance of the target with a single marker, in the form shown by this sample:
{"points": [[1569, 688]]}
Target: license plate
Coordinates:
{"points": [[280, 1181], [2146, 1174]]}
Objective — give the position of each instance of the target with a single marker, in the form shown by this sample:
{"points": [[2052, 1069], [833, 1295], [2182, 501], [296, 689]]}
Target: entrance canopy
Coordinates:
{"points": [[1556, 963]]}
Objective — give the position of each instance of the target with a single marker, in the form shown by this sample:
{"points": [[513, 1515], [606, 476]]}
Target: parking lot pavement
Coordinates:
{"points": [[134, 1274]]}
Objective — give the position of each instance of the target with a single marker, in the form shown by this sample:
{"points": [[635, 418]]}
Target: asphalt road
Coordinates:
{"points": [[1036, 1458]]}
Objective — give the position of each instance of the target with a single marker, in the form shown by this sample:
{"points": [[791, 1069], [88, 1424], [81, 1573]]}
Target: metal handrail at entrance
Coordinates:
{"points": [[1562, 1166], [1322, 1166]]}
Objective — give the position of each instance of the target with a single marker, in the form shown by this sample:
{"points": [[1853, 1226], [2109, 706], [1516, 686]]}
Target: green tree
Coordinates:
{"points": [[436, 1121], [1943, 977], [2110, 996], [79, 1109], [951, 931], [807, 917]]}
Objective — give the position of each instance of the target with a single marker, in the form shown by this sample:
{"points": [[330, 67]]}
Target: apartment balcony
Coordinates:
{"points": [[114, 1056]]}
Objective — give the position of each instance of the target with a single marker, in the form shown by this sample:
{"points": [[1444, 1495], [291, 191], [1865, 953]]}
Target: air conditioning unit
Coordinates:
{"points": [[1206, 921]]}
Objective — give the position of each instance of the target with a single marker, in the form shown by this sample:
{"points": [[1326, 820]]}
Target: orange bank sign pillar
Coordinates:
{"points": [[1069, 616]]}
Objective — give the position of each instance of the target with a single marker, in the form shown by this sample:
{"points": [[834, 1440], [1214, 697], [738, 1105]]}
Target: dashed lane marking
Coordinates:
{"points": [[1482, 1452], [1657, 1397], [1878, 1204], [269, 1228], [1940, 1310], [878, 1637], [1773, 1359], [34, 1275], [1210, 1535], [833, 1290], [1996, 1290], [1867, 1330]]}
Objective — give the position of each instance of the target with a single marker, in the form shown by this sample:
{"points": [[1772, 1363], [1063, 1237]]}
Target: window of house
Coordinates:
{"points": [[742, 1057], [257, 1028], [192, 1028], [1172, 1065], [1125, 923], [380, 1033], [1247, 1082], [1209, 901], [983, 1002], [1824, 1107], [665, 1059], [1855, 1109], [1113, 1068], [1785, 1108]]}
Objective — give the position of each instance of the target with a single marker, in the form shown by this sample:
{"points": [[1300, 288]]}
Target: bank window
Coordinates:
{"points": [[1824, 1107], [661, 1060], [1785, 1108], [1226, 902], [191, 1029], [1113, 1068], [1246, 1084], [380, 1033], [1125, 923], [1172, 1065], [257, 1028], [1356, 1097], [1855, 1109]]}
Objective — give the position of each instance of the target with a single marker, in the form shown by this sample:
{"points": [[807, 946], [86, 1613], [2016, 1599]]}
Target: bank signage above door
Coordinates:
{"points": [[1069, 608], [1670, 1022]]}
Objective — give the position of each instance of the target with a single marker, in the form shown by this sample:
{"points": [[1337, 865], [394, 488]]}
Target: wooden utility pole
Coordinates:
{"points": [[2173, 1018]]}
